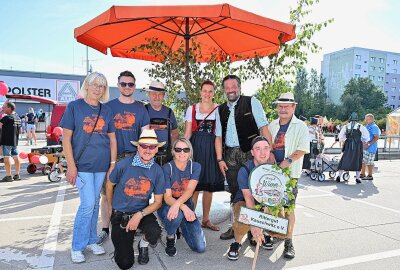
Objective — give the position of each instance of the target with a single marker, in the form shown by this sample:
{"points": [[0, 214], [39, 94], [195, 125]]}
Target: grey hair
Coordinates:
{"points": [[184, 140]]}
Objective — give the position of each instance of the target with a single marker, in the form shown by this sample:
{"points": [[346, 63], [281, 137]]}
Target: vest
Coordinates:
{"points": [[246, 126]]}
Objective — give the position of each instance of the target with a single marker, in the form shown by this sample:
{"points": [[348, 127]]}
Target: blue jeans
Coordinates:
{"points": [[191, 231], [85, 226]]}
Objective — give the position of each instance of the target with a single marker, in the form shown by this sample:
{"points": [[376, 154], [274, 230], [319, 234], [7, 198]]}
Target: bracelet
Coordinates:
{"points": [[219, 160]]}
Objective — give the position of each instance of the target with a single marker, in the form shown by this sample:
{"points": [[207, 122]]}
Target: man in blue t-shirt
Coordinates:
{"points": [[129, 189], [260, 150], [370, 147], [162, 120], [130, 118]]}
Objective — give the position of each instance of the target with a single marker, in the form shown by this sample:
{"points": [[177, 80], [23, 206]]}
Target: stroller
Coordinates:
{"points": [[59, 167], [321, 163]]}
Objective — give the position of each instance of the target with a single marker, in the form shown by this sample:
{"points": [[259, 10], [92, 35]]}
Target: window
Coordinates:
{"points": [[399, 99], [381, 60], [381, 69], [393, 97], [380, 78], [394, 80], [356, 75], [358, 57], [358, 66], [392, 106], [371, 68], [393, 88], [371, 77], [394, 70], [394, 62], [373, 59]]}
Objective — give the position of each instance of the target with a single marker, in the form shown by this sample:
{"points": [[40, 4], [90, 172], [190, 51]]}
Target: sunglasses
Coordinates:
{"points": [[178, 150], [124, 84], [146, 146]]}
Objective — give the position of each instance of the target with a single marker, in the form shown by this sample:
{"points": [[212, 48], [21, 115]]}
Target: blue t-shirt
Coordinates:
{"points": [[159, 122], [134, 185], [80, 117], [279, 143], [373, 129], [178, 181], [243, 180], [128, 120]]}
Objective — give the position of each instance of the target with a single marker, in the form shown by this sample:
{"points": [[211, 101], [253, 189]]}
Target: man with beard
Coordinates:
{"points": [[130, 118], [240, 120]]}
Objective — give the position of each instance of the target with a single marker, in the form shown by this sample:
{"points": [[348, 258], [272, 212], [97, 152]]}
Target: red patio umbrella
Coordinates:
{"points": [[222, 28]]}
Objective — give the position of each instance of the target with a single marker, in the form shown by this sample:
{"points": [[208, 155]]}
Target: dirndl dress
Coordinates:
{"points": [[203, 142], [352, 151]]}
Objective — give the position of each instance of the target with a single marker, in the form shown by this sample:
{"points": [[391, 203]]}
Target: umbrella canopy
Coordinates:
{"points": [[223, 28]]}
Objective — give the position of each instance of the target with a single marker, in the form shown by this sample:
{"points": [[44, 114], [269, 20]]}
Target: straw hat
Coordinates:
{"points": [[155, 86], [287, 98], [148, 136]]}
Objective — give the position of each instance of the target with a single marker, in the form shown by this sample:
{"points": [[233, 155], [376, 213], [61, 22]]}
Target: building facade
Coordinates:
{"points": [[381, 67]]}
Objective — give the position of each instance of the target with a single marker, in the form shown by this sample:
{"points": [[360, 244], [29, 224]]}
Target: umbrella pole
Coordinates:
{"points": [[187, 37]]}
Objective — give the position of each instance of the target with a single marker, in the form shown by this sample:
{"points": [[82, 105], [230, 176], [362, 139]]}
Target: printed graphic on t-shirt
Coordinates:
{"points": [[137, 188], [89, 121], [124, 121], [279, 143], [158, 123], [178, 189]]}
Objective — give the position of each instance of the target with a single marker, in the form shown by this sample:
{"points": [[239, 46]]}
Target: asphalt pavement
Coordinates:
{"points": [[338, 226]]}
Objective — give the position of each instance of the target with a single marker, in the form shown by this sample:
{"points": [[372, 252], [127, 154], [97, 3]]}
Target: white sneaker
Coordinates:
{"points": [[77, 256], [96, 249]]}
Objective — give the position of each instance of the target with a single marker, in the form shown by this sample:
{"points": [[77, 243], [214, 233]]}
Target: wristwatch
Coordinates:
{"points": [[289, 160], [143, 213]]}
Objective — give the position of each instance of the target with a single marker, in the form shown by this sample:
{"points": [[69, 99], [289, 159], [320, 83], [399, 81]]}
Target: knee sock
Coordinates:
{"points": [[340, 173], [358, 175]]}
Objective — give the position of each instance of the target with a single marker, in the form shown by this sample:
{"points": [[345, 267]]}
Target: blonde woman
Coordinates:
{"points": [[181, 177], [90, 149], [31, 120]]}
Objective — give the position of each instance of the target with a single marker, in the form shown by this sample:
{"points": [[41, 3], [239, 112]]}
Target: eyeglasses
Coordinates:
{"points": [[98, 86], [124, 84], [178, 150], [146, 146]]}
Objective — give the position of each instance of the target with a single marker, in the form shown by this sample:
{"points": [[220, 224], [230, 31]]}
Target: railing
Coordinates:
{"points": [[391, 143]]}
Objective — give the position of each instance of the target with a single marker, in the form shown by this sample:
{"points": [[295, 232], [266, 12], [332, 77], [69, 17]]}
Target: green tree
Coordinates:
{"points": [[362, 96], [301, 92]]}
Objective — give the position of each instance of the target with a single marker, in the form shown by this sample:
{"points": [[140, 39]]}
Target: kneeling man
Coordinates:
{"points": [[129, 188]]}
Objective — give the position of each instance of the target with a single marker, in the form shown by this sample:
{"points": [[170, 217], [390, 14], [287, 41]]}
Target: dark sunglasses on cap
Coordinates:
{"points": [[178, 150], [147, 146], [124, 84]]}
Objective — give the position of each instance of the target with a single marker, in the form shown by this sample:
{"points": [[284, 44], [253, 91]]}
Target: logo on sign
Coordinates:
{"points": [[67, 93], [270, 189]]}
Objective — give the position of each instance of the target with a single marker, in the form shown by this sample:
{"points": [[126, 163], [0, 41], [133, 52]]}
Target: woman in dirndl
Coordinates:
{"points": [[200, 129]]}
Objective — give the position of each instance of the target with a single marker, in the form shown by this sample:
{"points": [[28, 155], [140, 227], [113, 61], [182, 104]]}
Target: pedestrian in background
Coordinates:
{"points": [[31, 120], [370, 147]]}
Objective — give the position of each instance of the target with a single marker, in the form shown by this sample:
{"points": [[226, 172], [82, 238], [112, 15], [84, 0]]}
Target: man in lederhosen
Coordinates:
{"points": [[162, 120]]}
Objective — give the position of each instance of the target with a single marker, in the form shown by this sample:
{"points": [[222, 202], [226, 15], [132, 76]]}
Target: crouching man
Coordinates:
{"points": [[260, 150], [129, 188]]}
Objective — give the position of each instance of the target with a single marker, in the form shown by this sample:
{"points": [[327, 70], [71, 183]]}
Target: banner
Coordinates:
{"points": [[263, 220], [57, 90]]}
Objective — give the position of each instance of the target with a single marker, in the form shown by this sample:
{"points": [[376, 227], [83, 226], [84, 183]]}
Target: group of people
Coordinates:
{"points": [[130, 152]]}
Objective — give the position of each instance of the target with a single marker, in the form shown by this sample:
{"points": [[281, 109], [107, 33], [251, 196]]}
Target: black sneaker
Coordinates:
{"points": [[170, 249], [288, 252], [227, 235], [233, 253], [358, 180], [338, 179], [251, 240], [143, 257], [369, 177], [268, 243], [362, 176], [17, 177], [7, 178]]}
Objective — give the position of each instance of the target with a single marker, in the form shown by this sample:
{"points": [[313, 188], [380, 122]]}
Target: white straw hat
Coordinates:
{"points": [[155, 86], [148, 136], [286, 98]]}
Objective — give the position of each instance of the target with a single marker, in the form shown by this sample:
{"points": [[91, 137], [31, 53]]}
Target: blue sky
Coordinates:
{"points": [[37, 35]]}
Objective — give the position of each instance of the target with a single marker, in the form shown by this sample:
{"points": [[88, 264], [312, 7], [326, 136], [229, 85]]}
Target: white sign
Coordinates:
{"points": [[263, 220], [268, 185], [57, 90]]}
